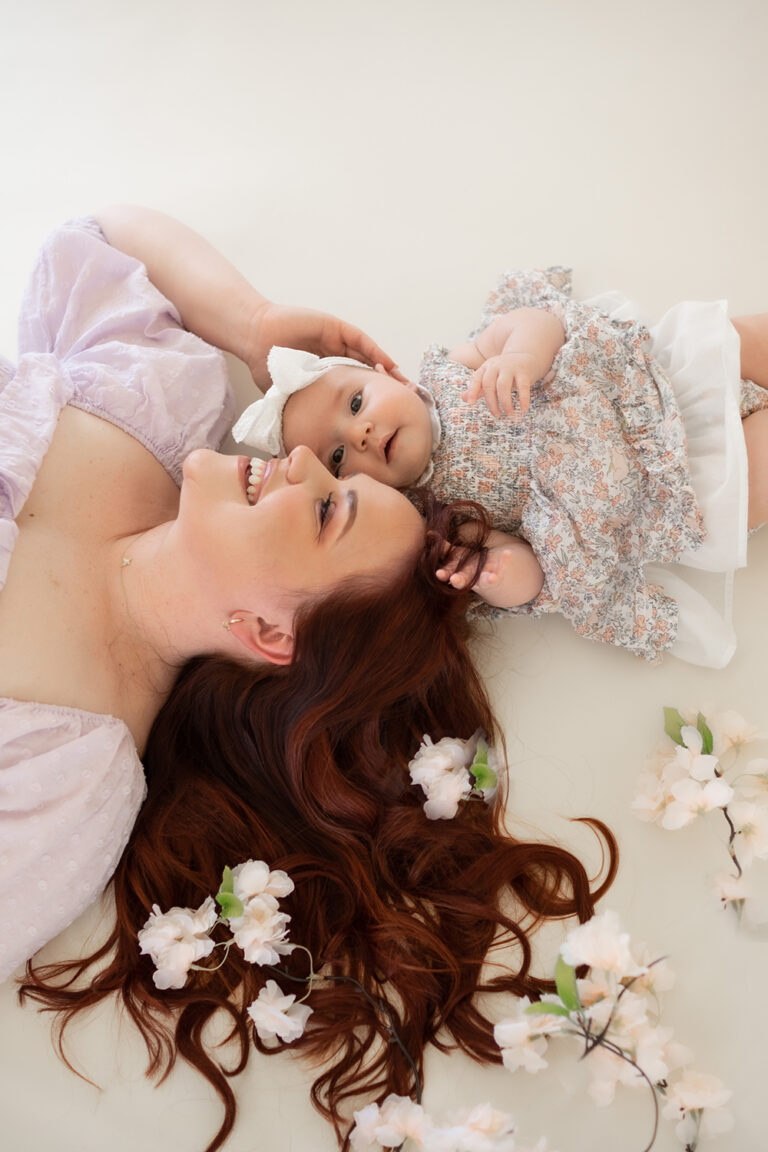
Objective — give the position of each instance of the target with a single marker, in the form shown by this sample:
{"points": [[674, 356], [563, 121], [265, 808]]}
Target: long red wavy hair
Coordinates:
{"points": [[305, 767]]}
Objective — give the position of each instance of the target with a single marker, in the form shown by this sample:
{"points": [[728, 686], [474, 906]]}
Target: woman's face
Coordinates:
{"points": [[296, 534]]}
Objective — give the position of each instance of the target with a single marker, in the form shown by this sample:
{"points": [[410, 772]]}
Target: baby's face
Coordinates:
{"points": [[359, 420]]}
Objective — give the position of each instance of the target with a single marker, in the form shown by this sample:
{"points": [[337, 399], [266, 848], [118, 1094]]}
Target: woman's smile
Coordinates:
{"points": [[256, 473]]}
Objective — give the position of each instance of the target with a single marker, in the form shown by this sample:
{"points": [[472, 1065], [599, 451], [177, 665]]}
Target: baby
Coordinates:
{"points": [[556, 417]]}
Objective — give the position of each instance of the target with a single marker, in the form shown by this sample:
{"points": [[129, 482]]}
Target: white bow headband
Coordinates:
{"points": [[261, 425]]}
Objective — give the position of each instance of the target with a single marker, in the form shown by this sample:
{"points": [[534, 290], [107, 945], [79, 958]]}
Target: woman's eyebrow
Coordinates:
{"points": [[351, 512]]}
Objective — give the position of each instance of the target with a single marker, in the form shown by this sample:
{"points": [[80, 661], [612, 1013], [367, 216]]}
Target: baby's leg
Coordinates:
{"points": [[753, 331], [756, 435]]}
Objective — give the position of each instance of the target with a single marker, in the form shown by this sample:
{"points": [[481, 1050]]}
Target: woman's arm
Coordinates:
{"points": [[217, 303], [511, 575], [510, 355]]}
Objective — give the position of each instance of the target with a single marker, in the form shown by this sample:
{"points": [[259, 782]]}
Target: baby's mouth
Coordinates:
{"points": [[388, 446]]}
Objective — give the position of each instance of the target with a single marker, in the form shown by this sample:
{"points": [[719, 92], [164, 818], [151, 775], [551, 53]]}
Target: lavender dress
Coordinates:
{"points": [[93, 333]]}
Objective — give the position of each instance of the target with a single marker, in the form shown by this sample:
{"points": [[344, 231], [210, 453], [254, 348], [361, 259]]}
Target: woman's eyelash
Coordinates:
{"points": [[325, 508]]}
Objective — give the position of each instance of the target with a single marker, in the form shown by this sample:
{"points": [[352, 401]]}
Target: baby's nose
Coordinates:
{"points": [[361, 432]]}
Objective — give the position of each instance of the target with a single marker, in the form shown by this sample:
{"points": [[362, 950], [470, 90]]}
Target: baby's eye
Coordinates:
{"points": [[337, 459], [356, 402]]}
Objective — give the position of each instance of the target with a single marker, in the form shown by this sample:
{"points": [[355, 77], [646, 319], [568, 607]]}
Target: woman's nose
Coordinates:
{"points": [[304, 466]]}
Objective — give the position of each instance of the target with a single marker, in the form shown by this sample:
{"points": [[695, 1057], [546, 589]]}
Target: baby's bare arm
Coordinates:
{"points": [[511, 575], [535, 331], [510, 355]]}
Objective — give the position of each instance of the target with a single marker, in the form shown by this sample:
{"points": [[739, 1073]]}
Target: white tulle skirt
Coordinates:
{"points": [[699, 350]]}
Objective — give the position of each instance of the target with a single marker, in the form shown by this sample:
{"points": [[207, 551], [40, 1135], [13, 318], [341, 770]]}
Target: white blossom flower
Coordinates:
{"points": [[657, 976], [651, 798], [689, 755], [484, 1129], [254, 878], [729, 888], [276, 1015], [748, 900], [362, 1138], [606, 1071], [600, 943], [262, 931], [751, 821], [660, 772], [647, 1046], [402, 1119], [522, 1039], [487, 1122], [445, 794], [441, 772], [752, 784], [693, 1094], [692, 799], [176, 939], [731, 730], [677, 1056], [626, 1015], [433, 759]]}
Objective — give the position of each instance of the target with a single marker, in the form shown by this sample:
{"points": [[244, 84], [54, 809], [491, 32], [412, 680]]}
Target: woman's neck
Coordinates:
{"points": [[154, 615]]}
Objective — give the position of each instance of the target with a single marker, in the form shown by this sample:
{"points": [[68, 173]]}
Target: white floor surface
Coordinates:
{"points": [[385, 161]]}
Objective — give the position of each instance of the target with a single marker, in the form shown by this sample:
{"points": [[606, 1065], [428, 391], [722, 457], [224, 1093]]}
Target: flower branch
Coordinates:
{"points": [[697, 776], [610, 1012]]}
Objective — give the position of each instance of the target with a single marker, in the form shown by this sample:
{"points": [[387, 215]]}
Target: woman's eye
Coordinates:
{"points": [[337, 459], [356, 402], [325, 508]]}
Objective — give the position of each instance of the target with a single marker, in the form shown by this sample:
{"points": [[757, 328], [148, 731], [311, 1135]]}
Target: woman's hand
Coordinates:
{"points": [[217, 303], [316, 332], [498, 378]]}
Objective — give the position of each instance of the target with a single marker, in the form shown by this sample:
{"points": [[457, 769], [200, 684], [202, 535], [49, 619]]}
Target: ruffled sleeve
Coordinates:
{"points": [[122, 346], [71, 785]]}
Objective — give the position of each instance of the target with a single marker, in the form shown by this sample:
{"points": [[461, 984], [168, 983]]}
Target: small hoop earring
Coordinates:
{"points": [[231, 620]]}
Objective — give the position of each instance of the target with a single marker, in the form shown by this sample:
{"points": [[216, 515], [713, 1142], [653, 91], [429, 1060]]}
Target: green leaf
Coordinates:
{"points": [[565, 981], [229, 904], [227, 880], [673, 724], [546, 1009], [484, 775], [706, 735]]}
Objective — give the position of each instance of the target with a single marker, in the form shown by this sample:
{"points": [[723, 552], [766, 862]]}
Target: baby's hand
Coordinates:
{"points": [[453, 572], [498, 580], [511, 575], [498, 377]]}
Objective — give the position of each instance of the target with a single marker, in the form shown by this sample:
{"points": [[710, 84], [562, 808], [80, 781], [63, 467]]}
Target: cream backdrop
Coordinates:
{"points": [[385, 161]]}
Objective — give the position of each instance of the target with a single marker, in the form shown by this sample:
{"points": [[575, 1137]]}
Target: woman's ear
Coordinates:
{"points": [[260, 637]]}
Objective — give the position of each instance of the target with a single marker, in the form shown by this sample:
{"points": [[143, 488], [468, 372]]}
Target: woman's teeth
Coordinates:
{"points": [[254, 476]]}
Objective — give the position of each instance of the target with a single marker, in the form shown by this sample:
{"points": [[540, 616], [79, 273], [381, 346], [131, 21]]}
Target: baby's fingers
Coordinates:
{"points": [[460, 580], [472, 392], [524, 394]]}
